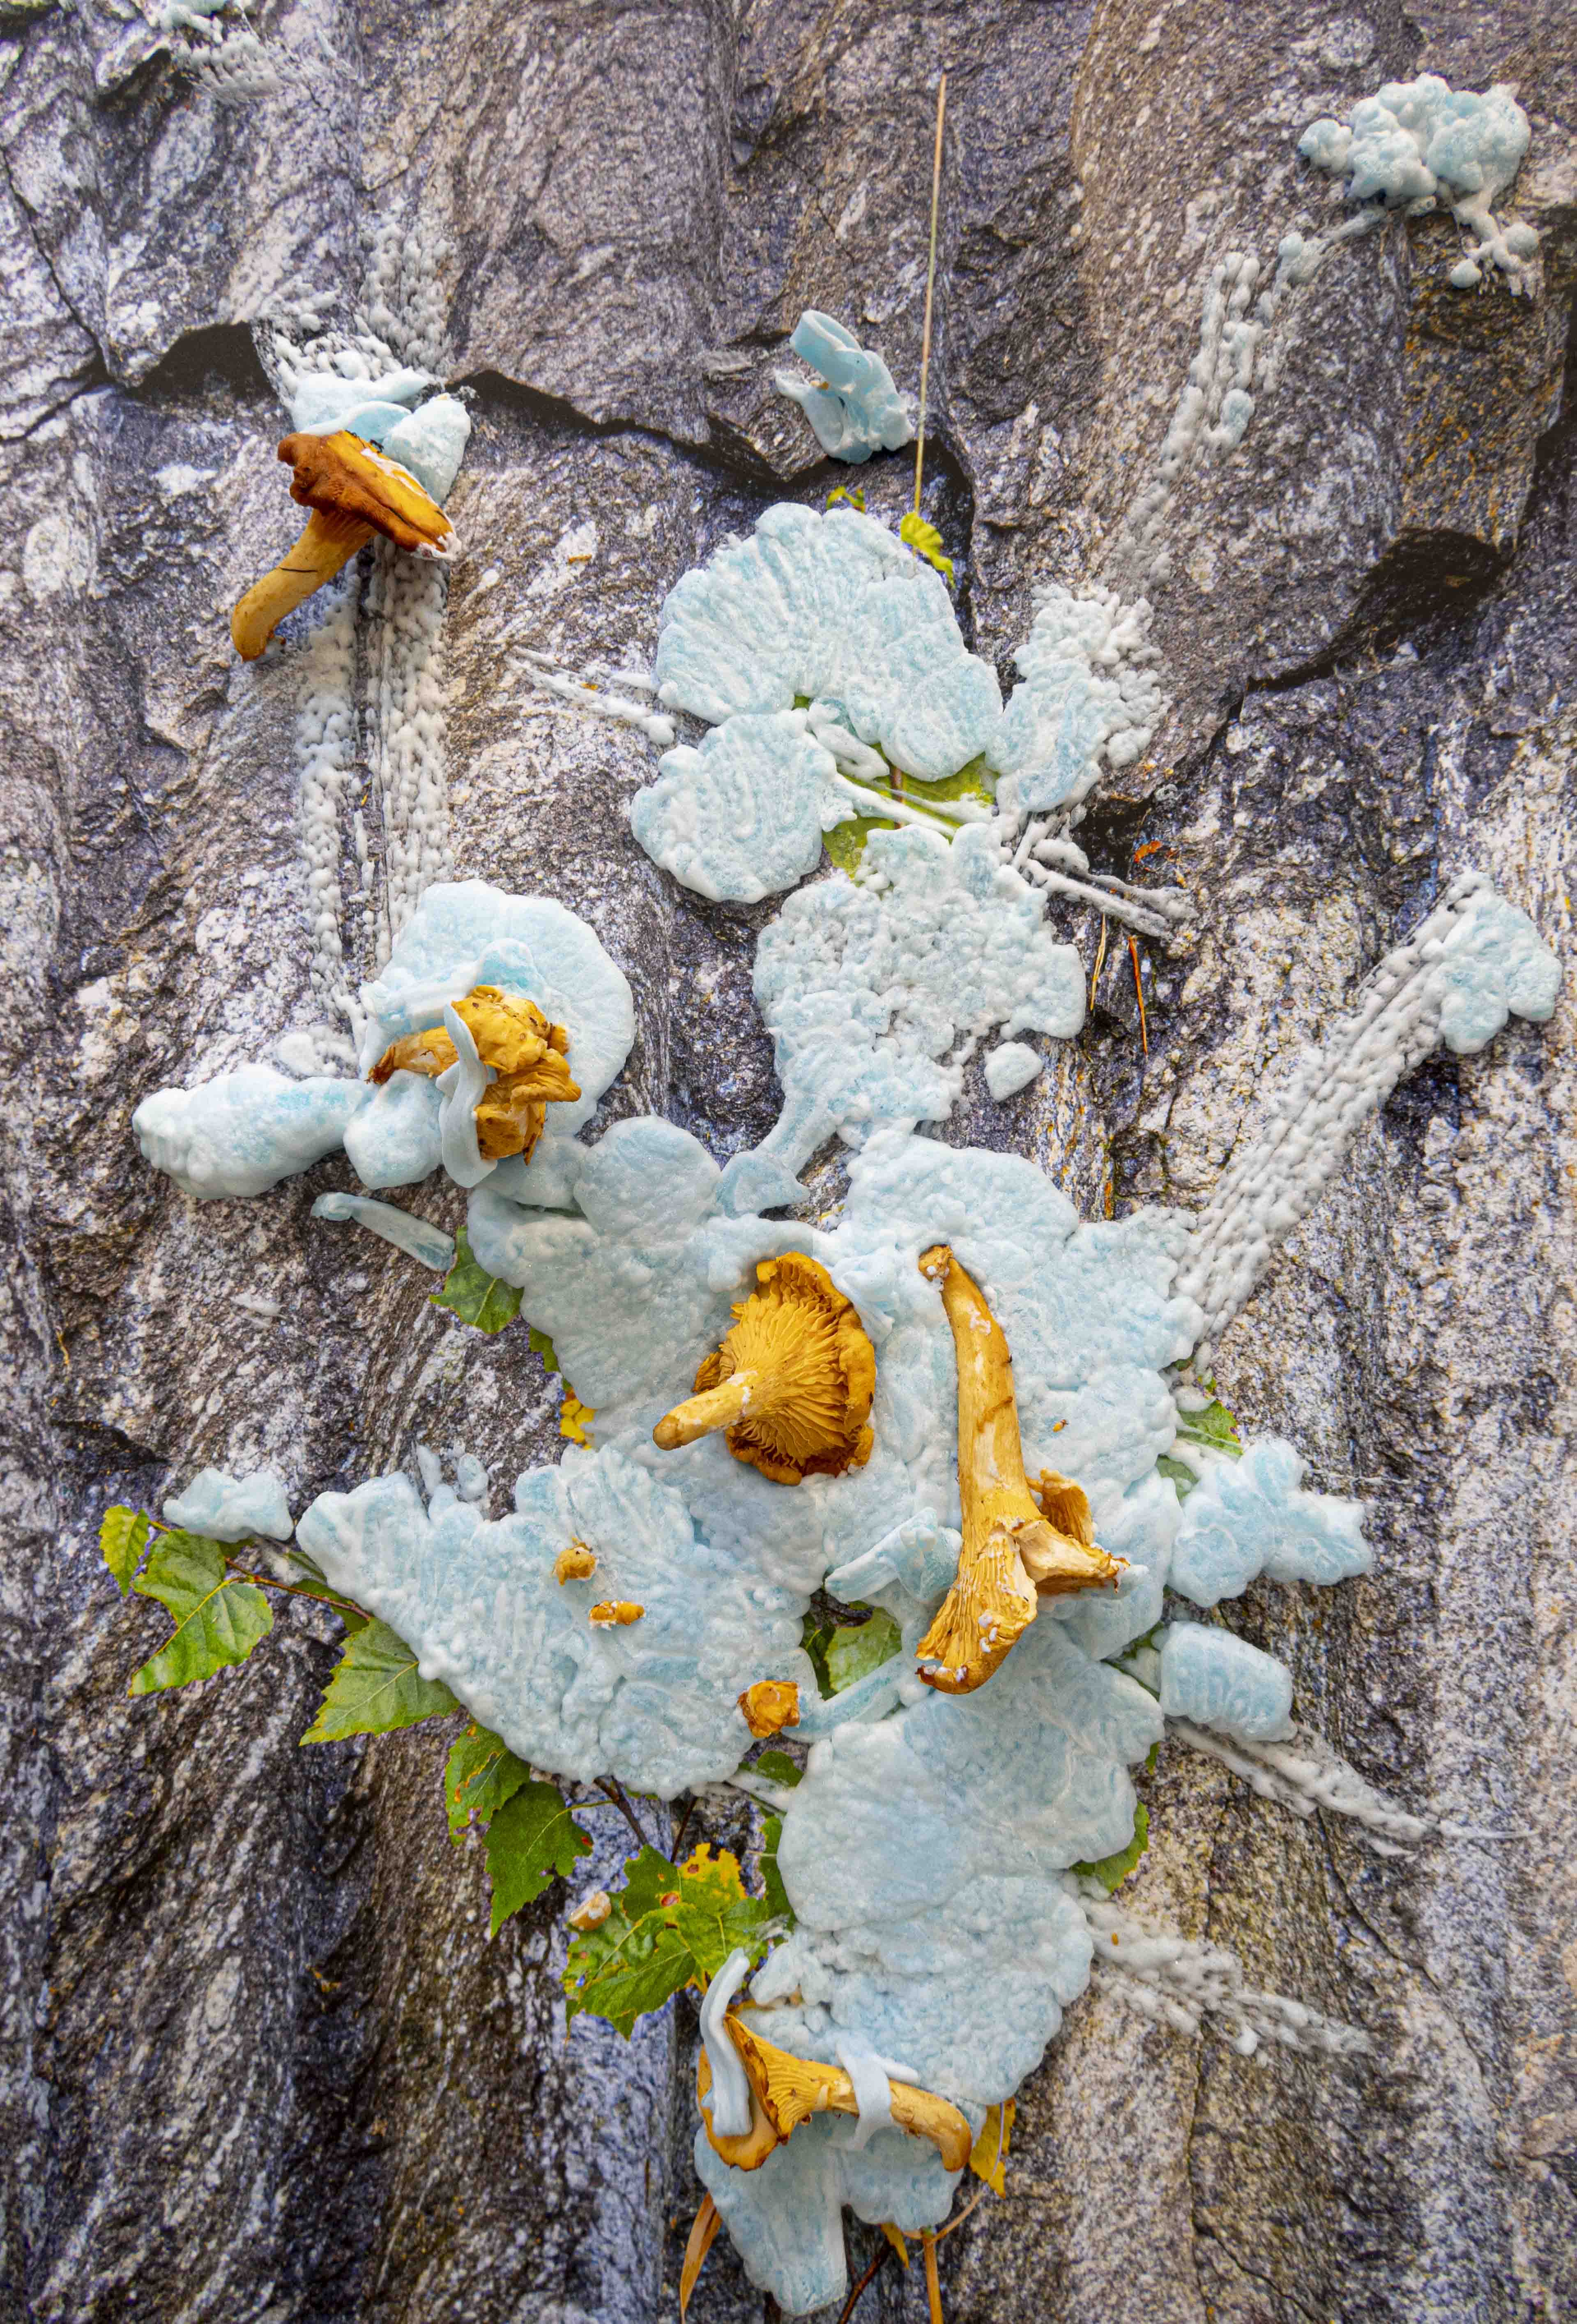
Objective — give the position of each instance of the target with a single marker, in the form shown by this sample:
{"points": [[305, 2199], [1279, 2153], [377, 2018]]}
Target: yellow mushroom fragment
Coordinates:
{"points": [[792, 1382], [1017, 1548], [786, 2091], [770, 1705], [352, 491], [615, 1614], [526, 1053], [575, 1564]]}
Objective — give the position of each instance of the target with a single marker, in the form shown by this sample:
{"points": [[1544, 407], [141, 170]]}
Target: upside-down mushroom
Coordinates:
{"points": [[770, 1705], [786, 2091], [792, 1382], [579, 1562], [352, 491], [526, 1053], [615, 1614], [1018, 1548]]}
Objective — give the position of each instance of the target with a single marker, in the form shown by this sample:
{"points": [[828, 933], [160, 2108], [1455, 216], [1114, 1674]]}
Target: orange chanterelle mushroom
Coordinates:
{"points": [[526, 1053], [792, 1382], [352, 491], [786, 2090], [1021, 1542]]}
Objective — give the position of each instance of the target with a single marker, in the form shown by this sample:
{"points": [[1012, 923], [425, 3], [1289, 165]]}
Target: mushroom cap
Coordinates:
{"points": [[341, 477], [526, 1053], [814, 1370]]}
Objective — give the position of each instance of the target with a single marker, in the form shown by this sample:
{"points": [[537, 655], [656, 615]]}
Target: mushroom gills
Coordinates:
{"points": [[792, 1382]]}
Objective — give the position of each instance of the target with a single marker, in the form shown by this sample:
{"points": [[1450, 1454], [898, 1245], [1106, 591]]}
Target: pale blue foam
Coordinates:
{"points": [[394, 1140], [1250, 1517], [1493, 964], [859, 410], [244, 1132], [1422, 141], [1010, 1067], [233, 1508], [428, 1244], [1216, 1679], [1088, 692], [831, 609], [867, 985], [466, 933], [431, 442], [742, 815], [654, 1705]]}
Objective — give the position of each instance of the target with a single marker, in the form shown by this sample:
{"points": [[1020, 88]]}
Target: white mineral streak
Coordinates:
{"points": [[1179, 1982], [1473, 962]]}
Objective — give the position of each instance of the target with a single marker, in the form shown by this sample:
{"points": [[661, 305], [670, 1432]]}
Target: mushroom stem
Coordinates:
{"points": [[1012, 1553], [717, 1407], [327, 543]]}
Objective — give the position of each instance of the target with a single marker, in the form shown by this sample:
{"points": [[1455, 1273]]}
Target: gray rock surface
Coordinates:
{"points": [[257, 2059]]}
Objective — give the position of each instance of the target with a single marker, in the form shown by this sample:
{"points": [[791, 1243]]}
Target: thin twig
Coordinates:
{"points": [[297, 1589], [930, 284], [1140, 989], [868, 2277], [616, 1792], [684, 1828]]}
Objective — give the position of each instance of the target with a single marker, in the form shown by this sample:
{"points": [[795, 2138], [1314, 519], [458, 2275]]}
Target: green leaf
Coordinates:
{"points": [[1213, 1429], [121, 1539], [925, 542], [309, 1581], [473, 1294], [530, 1840], [376, 1687], [543, 1346], [856, 1648], [670, 1926], [846, 843], [1112, 1870], [816, 1636], [778, 1768], [217, 1621], [480, 1774], [777, 1895], [1180, 1473]]}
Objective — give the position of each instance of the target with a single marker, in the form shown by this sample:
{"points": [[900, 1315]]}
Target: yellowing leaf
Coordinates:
{"points": [[703, 2235], [671, 1925], [925, 542], [895, 2238], [1112, 1870], [850, 492], [121, 1539], [987, 2155], [217, 1621], [573, 1416], [375, 1687], [480, 1774]]}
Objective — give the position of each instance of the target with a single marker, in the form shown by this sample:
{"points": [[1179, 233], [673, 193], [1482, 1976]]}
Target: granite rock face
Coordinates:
{"points": [[257, 2057]]}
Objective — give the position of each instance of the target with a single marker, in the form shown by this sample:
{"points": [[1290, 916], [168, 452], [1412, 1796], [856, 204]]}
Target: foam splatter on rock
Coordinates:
{"points": [[742, 815], [1419, 141], [853, 407]]}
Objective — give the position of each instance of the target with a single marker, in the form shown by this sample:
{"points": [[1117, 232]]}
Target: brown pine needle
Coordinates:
{"points": [[702, 2236], [930, 285], [1139, 988], [933, 2287]]}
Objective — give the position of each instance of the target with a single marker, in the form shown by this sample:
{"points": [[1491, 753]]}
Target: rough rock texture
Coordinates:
{"points": [[259, 2061]]}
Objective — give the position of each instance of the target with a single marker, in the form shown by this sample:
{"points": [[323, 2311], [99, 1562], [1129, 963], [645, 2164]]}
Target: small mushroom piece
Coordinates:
{"points": [[575, 1564], [792, 1382], [592, 1911], [527, 1057], [787, 2090], [1013, 1551], [615, 1614], [352, 491], [770, 1705]]}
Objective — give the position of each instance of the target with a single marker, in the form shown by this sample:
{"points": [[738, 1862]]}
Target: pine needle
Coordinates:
{"points": [[702, 2236], [1100, 958], [1139, 988], [930, 285]]}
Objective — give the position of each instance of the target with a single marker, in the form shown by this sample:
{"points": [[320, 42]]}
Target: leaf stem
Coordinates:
{"points": [[296, 1590], [868, 2277], [616, 1792]]}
